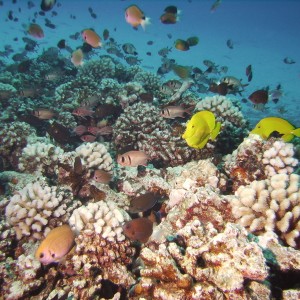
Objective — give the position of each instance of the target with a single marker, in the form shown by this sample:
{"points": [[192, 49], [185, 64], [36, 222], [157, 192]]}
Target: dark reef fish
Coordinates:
{"points": [[259, 97], [47, 5], [139, 229], [229, 44], [143, 202], [288, 61]]}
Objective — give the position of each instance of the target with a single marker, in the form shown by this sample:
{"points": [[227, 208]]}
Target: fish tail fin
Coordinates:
{"points": [[296, 132], [189, 110], [145, 22], [216, 131]]}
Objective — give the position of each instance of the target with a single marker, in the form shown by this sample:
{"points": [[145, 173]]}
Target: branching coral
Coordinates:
{"points": [[257, 159], [40, 157], [279, 159], [101, 246], [143, 128], [95, 156], [13, 137], [271, 205], [149, 80], [37, 208]]}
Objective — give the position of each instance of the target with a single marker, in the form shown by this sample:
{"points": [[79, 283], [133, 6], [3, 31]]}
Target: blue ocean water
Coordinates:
{"points": [[263, 34]]}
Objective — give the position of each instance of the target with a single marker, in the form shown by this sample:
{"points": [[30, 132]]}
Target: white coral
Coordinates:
{"points": [[224, 110], [279, 159], [38, 156], [104, 217], [95, 156], [31, 209], [270, 205]]}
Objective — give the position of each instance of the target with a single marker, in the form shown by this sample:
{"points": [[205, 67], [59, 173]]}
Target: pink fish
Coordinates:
{"points": [[100, 130], [82, 112], [88, 138], [80, 129], [133, 159]]}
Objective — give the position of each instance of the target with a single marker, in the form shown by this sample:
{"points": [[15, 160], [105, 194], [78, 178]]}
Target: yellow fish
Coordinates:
{"points": [[58, 242], [273, 125], [200, 128]]}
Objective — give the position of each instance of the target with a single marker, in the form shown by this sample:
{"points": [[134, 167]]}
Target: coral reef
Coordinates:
{"points": [[257, 159], [144, 129], [95, 156], [13, 138], [202, 263], [40, 157], [37, 208], [271, 205]]}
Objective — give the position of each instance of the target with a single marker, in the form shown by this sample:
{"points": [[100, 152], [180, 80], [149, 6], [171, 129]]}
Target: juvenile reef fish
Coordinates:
{"points": [[129, 48], [249, 73], [276, 94], [259, 97], [200, 128], [77, 57], [80, 130], [92, 38], [229, 44], [270, 126], [139, 229], [172, 112], [181, 45], [288, 60], [35, 30], [47, 5], [82, 112], [135, 17], [88, 138], [102, 176], [56, 245], [133, 158], [169, 18], [44, 113], [143, 202], [215, 5], [183, 72], [172, 9], [193, 41], [132, 60]]}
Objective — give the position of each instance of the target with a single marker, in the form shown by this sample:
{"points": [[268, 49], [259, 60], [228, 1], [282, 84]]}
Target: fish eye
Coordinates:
{"points": [[53, 255], [41, 255]]}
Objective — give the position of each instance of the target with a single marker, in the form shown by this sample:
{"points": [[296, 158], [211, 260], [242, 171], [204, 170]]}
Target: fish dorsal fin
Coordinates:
{"points": [[210, 119], [215, 131]]}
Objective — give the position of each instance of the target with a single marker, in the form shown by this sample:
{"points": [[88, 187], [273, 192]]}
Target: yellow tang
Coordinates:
{"points": [[200, 128], [269, 126]]}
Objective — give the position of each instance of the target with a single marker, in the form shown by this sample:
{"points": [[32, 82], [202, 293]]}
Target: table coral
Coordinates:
{"points": [[38, 208], [271, 205]]}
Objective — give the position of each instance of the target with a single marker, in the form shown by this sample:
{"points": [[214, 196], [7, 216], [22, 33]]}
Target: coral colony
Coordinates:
{"points": [[103, 198]]}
